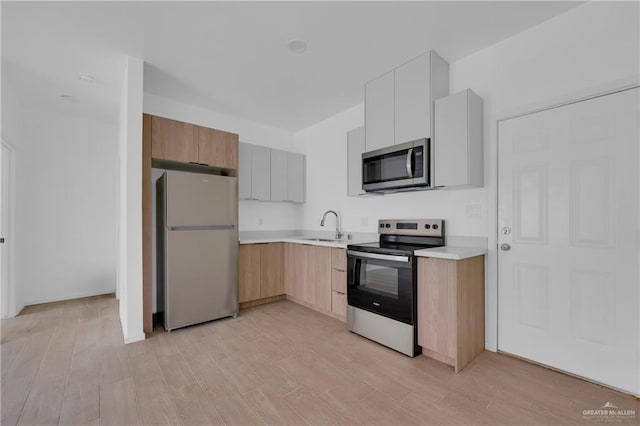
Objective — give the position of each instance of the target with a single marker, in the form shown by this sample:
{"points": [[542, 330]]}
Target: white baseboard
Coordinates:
{"points": [[71, 297]]}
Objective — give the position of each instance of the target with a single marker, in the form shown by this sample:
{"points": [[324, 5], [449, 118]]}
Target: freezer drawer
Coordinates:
{"points": [[195, 199], [201, 276]]}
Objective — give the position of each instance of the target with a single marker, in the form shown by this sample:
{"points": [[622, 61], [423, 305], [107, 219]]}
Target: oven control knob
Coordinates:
{"points": [[387, 225], [435, 226], [427, 226], [382, 225]]}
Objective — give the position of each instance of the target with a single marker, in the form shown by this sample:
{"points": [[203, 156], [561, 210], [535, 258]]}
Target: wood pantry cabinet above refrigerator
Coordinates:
{"points": [[176, 141], [399, 103]]}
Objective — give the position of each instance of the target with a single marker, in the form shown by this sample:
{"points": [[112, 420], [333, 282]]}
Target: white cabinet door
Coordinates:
{"points": [[260, 173], [379, 112], [412, 100], [278, 175], [295, 177], [355, 148], [244, 173], [569, 213], [458, 147]]}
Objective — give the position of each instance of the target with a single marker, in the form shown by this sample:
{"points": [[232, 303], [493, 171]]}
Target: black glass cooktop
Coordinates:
{"points": [[385, 247]]}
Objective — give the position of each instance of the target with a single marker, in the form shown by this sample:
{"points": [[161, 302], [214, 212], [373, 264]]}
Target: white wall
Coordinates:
{"points": [[129, 269], [65, 222], [253, 215], [590, 47]]}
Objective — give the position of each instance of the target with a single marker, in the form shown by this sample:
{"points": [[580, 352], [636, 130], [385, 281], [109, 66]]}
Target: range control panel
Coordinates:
{"points": [[421, 227]]}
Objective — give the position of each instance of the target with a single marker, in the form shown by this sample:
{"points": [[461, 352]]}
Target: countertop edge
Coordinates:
{"points": [[450, 252]]}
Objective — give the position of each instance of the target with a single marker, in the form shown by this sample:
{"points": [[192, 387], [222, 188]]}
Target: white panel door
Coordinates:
{"points": [[568, 209]]}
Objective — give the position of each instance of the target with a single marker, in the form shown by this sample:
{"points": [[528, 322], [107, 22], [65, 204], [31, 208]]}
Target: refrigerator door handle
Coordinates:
{"points": [[201, 227]]}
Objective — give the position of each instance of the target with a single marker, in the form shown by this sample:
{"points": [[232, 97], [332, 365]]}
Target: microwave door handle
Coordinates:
{"points": [[409, 165]]}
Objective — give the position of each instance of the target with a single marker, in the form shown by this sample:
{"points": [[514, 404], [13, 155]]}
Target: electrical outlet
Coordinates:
{"points": [[260, 221]]}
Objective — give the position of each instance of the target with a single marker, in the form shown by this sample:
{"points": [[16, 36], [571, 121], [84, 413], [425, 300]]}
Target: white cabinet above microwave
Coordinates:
{"points": [[399, 103]]}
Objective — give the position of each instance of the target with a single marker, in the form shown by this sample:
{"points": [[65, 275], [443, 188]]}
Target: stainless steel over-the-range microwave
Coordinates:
{"points": [[398, 167]]}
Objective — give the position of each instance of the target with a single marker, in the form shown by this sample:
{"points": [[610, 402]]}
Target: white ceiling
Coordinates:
{"points": [[233, 57]]}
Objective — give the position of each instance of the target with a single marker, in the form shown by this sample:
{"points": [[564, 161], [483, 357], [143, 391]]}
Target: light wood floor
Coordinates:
{"points": [[65, 363]]}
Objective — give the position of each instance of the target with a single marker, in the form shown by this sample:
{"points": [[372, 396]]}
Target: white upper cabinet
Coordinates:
{"points": [[355, 148], [295, 177], [287, 176], [260, 173], [279, 175], [379, 112], [399, 104], [254, 172], [459, 141], [417, 84], [244, 174]]}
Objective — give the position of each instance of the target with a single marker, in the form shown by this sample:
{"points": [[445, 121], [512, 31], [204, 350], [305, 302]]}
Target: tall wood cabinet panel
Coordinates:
{"points": [[451, 309], [379, 112], [249, 269], [217, 148], [147, 226], [271, 269], [173, 140]]}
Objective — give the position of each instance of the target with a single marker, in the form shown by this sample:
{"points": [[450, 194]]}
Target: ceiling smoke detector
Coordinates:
{"points": [[297, 46], [87, 78], [69, 98]]}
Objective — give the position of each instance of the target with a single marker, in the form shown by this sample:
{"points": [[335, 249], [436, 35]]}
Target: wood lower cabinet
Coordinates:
{"points": [[271, 269], [261, 272], [308, 275], [451, 309], [249, 273]]}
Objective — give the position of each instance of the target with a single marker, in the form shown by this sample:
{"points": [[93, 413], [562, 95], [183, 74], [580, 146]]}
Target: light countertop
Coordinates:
{"points": [[446, 252], [451, 252], [298, 240]]}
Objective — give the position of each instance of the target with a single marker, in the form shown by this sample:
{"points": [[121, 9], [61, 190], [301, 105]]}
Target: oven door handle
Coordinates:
{"points": [[367, 255]]}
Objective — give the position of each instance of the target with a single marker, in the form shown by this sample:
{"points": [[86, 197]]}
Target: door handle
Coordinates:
{"points": [[505, 247]]}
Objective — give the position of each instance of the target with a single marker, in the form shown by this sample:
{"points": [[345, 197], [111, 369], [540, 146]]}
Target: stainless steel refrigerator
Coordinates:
{"points": [[197, 234]]}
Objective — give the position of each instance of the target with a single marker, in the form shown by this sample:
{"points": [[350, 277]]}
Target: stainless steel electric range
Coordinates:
{"points": [[382, 282]]}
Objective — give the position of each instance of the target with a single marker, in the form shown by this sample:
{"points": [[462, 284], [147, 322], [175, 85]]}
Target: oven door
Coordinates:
{"points": [[381, 283]]}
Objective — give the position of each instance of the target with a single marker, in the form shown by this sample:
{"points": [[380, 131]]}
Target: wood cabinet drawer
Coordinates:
{"points": [[339, 303], [338, 281], [339, 259]]}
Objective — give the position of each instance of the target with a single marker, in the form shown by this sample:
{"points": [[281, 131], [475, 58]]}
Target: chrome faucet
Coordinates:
{"points": [[338, 231]]}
